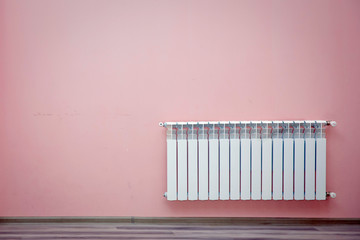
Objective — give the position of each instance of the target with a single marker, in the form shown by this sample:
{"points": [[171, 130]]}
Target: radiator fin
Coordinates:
{"points": [[320, 169], [171, 170], [288, 169], [203, 169], [266, 168], [256, 169], [277, 169], [310, 169], [193, 169], [214, 169], [234, 169], [182, 169], [245, 169], [224, 169]]}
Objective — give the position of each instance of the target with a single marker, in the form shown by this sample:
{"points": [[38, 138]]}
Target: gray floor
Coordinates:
{"points": [[14, 231]]}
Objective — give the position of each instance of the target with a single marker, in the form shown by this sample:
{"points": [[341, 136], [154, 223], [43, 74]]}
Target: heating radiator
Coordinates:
{"points": [[243, 160]]}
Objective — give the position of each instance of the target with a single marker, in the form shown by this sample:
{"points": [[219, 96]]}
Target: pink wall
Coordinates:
{"points": [[83, 85]]}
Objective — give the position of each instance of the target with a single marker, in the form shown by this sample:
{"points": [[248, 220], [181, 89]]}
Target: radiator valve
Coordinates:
{"points": [[331, 123], [331, 194]]}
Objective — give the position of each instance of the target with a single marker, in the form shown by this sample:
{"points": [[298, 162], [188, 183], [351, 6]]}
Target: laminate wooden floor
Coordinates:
{"points": [[14, 231]]}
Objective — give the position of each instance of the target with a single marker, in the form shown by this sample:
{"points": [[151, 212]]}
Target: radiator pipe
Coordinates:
{"points": [[328, 194]]}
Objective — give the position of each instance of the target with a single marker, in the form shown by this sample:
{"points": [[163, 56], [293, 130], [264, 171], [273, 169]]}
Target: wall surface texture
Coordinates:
{"points": [[84, 84]]}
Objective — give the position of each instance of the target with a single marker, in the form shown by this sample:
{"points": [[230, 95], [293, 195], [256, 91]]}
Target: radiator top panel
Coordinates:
{"points": [[246, 129]]}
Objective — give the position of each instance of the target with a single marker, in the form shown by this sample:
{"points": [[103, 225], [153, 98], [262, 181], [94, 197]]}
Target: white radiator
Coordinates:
{"points": [[257, 160]]}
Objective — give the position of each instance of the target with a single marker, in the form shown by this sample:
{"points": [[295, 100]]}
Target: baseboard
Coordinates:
{"points": [[184, 220]]}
